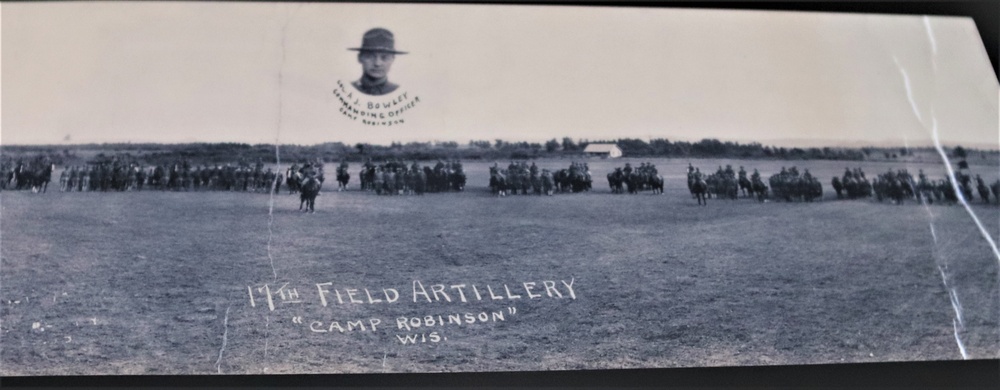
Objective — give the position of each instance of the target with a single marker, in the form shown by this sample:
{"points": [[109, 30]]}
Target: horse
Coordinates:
{"points": [[41, 178], [22, 177], [294, 182], [965, 185], [562, 180], [633, 181], [856, 187], [388, 182], [838, 187], [984, 191], [498, 184], [342, 178], [525, 182], [746, 186], [513, 182], [547, 185], [699, 188], [615, 180], [536, 183], [730, 187], [760, 189], [656, 183], [813, 190], [308, 192], [458, 181]]}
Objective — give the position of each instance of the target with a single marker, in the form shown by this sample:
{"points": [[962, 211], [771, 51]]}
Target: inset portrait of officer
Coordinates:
{"points": [[376, 54]]}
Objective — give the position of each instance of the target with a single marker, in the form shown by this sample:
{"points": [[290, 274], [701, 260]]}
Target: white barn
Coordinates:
{"points": [[603, 150]]}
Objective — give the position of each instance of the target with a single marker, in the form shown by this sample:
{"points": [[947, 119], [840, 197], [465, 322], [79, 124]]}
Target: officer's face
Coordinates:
{"points": [[376, 65]]}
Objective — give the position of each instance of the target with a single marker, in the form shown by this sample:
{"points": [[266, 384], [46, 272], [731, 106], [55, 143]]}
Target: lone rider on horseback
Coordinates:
{"points": [[308, 171]]}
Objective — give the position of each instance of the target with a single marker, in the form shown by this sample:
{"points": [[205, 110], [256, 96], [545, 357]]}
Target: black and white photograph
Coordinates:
{"points": [[228, 188]]}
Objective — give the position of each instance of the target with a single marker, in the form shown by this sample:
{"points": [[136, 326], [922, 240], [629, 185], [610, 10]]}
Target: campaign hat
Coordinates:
{"points": [[378, 40]]}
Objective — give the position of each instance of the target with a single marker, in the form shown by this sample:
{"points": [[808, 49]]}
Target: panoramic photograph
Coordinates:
{"points": [[309, 188]]}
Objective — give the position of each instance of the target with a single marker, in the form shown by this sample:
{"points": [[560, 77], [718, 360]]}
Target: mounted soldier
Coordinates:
{"points": [[308, 171]]}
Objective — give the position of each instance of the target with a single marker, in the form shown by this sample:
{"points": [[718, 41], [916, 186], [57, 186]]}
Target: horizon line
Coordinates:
{"points": [[788, 143]]}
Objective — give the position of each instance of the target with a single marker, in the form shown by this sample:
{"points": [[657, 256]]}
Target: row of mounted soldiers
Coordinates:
{"points": [[394, 177], [124, 173], [641, 178], [899, 185], [179, 176], [725, 183], [524, 179], [789, 185], [965, 186]]}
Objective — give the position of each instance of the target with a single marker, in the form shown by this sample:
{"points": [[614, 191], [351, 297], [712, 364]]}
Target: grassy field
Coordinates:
{"points": [[157, 282]]}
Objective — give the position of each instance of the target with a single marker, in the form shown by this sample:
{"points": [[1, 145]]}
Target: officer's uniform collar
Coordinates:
{"points": [[372, 86]]}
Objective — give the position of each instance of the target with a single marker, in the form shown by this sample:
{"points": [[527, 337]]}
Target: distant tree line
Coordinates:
{"points": [[498, 149]]}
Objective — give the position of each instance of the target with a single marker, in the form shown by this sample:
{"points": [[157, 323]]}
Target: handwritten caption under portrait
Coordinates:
{"points": [[387, 110]]}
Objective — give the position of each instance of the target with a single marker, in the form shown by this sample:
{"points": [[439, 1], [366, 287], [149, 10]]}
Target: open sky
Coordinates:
{"points": [[264, 72]]}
